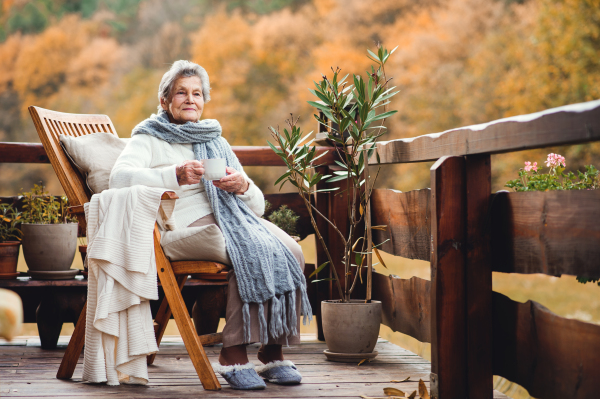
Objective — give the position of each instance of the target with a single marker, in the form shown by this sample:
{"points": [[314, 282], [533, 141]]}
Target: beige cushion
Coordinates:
{"points": [[195, 243], [94, 155]]}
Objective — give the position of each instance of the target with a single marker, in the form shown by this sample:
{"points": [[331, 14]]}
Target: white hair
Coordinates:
{"points": [[182, 69]]}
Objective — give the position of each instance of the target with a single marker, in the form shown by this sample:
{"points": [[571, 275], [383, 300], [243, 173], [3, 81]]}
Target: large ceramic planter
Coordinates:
{"points": [[350, 329], [9, 256], [49, 247]]}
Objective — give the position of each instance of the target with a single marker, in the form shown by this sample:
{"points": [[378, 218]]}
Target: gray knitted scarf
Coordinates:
{"points": [[264, 267]]}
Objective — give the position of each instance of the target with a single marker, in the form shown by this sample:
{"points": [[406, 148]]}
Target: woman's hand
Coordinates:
{"points": [[234, 182], [189, 172]]}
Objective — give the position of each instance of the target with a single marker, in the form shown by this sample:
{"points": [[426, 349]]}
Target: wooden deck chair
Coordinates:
{"points": [[49, 125]]}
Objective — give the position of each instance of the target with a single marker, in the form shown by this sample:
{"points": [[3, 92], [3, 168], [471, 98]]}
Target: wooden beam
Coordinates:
{"points": [[406, 304], [198, 267], [478, 277], [408, 220], [550, 356], [264, 156], [448, 302], [571, 124], [211, 339], [23, 153], [554, 232], [248, 155]]}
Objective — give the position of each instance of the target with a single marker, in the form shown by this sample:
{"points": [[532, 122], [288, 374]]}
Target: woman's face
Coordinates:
{"points": [[187, 102]]}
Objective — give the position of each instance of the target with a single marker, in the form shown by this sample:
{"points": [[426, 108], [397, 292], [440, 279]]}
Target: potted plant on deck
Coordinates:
{"points": [[354, 114], [49, 235], [10, 240]]}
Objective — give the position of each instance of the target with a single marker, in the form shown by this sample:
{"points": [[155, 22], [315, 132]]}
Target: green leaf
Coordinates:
{"points": [[320, 106], [336, 178], [277, 151], [343, 165], [318, 269], [323, 279], [372, 54], [282, 177], [381, 116]]}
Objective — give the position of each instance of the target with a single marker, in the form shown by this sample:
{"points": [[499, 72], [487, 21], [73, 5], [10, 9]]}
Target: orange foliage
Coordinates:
{"points": [[41, 66], [459, 62]]}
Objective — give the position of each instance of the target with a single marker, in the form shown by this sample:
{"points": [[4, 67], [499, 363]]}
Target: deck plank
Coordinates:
{"points": [[27, 371]]}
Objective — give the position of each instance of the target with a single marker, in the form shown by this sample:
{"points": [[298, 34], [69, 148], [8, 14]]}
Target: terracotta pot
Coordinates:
{"points": [[49, 247], [351, 328], [9, 256]]}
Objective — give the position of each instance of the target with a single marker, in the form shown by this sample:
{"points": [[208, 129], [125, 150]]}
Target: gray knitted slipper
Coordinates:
{"points": [[281, 372], [240, 376]]}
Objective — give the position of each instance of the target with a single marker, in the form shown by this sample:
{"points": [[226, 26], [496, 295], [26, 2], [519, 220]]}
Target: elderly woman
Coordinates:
{"points": [[267, 289]]}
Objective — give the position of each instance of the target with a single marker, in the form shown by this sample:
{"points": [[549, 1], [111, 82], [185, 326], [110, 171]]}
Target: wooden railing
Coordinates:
{"points": [[467, 233]]}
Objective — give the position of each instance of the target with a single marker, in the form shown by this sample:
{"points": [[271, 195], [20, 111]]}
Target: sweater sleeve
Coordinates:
{"points": [[133, 167], [253, 197]]}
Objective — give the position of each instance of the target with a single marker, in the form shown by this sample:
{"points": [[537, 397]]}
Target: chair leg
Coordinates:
{"points": [[182, 318], [71, 356], [162, 318]]}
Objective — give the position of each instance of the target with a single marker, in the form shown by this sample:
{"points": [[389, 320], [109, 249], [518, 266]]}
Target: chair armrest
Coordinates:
{"points": [[169, 195], [76, 210]]}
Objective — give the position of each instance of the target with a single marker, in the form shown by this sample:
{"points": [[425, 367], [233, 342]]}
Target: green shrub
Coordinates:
{"points": [[10, 218]]}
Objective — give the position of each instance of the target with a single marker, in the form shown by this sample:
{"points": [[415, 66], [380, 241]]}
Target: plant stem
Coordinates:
{"points": [[314, 224]]}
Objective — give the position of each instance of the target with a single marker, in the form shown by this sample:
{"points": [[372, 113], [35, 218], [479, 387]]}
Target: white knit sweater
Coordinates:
{"points": [[151, 162]]}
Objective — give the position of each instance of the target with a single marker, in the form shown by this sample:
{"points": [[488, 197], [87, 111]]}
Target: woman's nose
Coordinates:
{"points": [[190, 98]]}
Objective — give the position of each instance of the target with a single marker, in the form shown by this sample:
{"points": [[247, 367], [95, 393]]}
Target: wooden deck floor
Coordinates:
{"points": [[27, 371]]}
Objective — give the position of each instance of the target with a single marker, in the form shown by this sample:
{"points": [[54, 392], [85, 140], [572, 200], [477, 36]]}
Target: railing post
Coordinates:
{"points": [[448, 295], [478, 275]]}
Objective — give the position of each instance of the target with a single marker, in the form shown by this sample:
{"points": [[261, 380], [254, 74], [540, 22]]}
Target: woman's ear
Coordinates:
{"points": [[164, 104]]}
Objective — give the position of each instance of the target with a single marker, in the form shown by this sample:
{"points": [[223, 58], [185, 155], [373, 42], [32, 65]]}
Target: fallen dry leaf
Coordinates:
{"points": [[392, 392], [382, 397], [362, 361], [406, 379], [412, 395], [423, 394]]}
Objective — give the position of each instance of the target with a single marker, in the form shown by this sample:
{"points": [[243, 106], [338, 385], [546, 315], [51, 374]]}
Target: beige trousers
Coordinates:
{"points": [[233, 332]]}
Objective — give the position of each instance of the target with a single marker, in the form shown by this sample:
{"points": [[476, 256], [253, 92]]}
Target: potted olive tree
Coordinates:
{"points": [[49, 235], [354, 113], [10, 240]]}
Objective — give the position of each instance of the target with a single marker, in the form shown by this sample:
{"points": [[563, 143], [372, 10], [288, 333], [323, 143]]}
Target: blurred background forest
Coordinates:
{"points": [[459, 62]]}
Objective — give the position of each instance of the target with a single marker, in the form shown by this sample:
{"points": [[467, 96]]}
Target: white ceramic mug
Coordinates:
{"points": [[214, 169]]}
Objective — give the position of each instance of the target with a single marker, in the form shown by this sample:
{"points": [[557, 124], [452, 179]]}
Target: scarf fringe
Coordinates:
{"points": [[246, 317], [262, 324]]}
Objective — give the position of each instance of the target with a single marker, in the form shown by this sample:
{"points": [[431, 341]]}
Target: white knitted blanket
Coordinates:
{"points": [[122, 280]]}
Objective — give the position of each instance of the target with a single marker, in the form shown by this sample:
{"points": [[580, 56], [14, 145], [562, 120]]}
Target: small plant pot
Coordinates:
{"points": [[359, 322], [49, 247], [83, 253], [9, 257]]}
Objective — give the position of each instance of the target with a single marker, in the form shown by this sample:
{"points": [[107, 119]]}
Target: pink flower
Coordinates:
{"points": [[534, 167], [528, 166], [555, 160]]}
